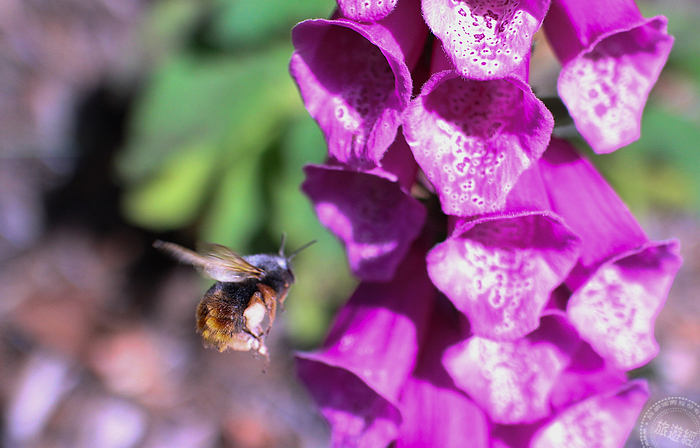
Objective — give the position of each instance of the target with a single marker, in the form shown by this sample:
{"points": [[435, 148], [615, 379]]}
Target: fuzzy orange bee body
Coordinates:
{"points": [[232, 313]]}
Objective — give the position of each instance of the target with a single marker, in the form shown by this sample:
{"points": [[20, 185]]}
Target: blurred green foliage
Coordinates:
{"points": [[219, 137]]}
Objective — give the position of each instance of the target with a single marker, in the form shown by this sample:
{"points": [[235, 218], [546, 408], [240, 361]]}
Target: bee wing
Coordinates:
{"points": [[217, 262], [227, 259]]}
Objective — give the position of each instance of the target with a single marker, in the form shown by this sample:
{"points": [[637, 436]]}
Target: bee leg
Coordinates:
{"points": [[241, 342], [268, 297], [256, 342], [254, 314], [282, 297]]}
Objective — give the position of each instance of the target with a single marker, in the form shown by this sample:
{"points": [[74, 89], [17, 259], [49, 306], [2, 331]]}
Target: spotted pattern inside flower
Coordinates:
{"points": [[360, 80], [510, 380], [615, 310], [616, 316], [366, 10], [485, 39], [502, 269], [606, 88], [463, 142], [500, 273], [602, 420]]}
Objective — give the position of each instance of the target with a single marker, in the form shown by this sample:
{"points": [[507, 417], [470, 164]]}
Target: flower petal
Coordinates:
{"points": [[474, 138], [615, 310], [376, 334], [611, 59], [512, 381], [587, 375], [485, 39], [602, 420], [398, 164], [500, 271], [366, 10], [590, 207], [440, 418], [622, 279], [355, 81], [371, 350], [376, 220], [435, 412], [358, 416]]}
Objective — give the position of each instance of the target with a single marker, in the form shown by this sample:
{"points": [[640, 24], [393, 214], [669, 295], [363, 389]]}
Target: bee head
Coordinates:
{"points": [[285, 262], [277, 267]]}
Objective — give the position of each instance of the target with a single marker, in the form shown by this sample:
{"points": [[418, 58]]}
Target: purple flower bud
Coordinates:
{"points": [[611, 58]]}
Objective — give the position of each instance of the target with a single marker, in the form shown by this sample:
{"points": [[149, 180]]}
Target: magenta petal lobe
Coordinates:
{"points": [[357, 376], [606, 88], [358, 416], [512, 381], [485, 39], [604, 420], [500, 272], [440, 417], [616, 309], [474, 138], [373, 217], [366, 10], [354, 90]]}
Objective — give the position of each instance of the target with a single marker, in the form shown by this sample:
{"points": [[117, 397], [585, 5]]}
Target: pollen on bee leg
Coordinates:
{"points": [[269, 299], [254, 315], [241, 342]]}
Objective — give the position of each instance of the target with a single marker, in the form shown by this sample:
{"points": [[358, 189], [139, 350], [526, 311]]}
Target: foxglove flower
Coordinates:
{"points": [[474, 138], [550, 285], [486, 39], [435, 412], [512, 381], [357, 376], [370, 212], [355, 79], [590, 402], [611, 58], [602, 420], [622, 279], [500, 269]]}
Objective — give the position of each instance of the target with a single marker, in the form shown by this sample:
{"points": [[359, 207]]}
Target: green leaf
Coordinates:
{"points": [[172, 198], [236, 211], [244, 22], [236, 103]]}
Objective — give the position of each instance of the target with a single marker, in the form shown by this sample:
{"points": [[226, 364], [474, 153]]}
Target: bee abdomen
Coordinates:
{"points": [[220, 312]]}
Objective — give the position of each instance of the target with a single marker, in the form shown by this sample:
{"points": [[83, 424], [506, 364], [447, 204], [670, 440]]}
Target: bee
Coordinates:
{"points": [[232, 312]]}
